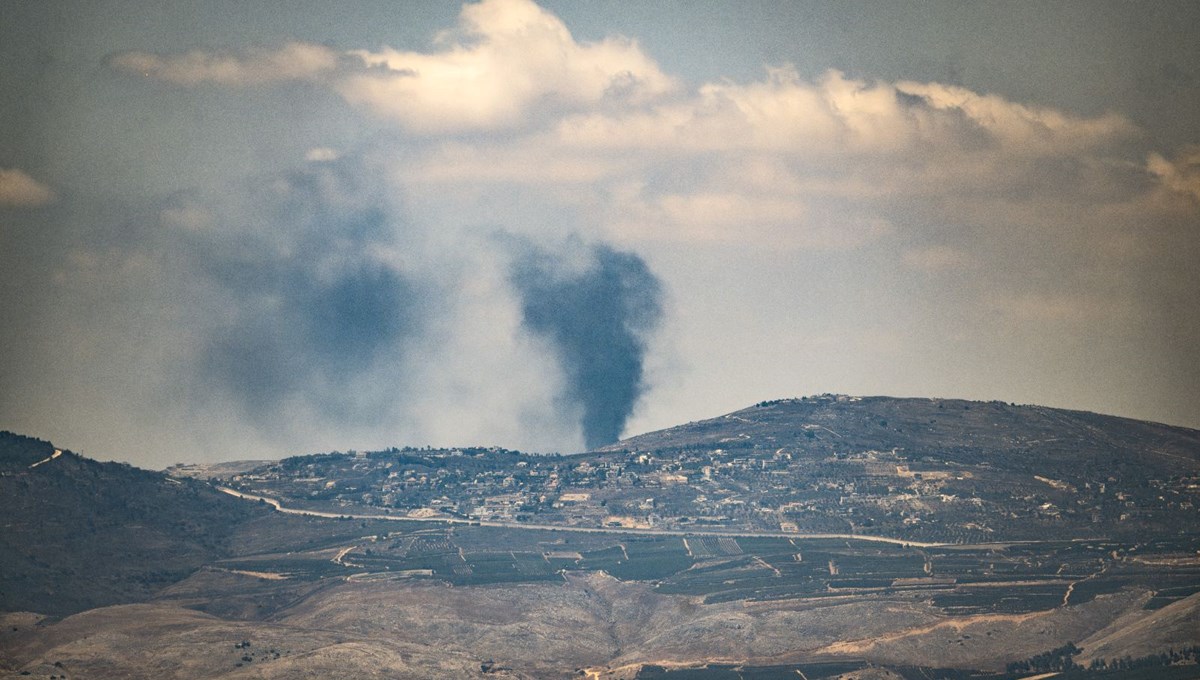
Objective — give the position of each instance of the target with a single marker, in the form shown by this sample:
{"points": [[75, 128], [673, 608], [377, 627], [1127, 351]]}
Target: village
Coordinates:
{"points": [[748, 489]]}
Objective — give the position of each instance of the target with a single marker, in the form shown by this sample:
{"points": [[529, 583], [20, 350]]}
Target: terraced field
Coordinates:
{"points": [[961, 580]]}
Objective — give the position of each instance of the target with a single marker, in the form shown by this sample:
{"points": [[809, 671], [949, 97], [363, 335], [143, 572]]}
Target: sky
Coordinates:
{"points": [[235, 230]]}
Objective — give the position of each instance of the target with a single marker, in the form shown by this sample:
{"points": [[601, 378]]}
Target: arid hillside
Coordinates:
{"points": [[829, 537]]}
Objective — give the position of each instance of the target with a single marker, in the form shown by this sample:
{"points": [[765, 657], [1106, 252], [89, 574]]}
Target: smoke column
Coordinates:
{"points": [[309, 307], [598, 314]]}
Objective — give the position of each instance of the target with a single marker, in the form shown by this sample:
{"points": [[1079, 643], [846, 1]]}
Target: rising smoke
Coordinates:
{"points": [[597, 309], [311, 303], [307, 310]]}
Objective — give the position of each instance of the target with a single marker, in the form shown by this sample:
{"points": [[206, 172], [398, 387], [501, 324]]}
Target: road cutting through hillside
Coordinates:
{"points": [[43, 461], [574, 529], [341, 556]]}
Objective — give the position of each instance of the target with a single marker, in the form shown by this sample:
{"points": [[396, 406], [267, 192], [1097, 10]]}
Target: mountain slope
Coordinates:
{"points": [[853, 531], [78, 534], [944, 469], [951, 429]]}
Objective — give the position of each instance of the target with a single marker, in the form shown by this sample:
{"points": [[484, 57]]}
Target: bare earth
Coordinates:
{"points": [[605, 628]]}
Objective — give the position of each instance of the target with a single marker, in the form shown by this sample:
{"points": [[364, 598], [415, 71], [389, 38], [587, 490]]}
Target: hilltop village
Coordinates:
{"points": [[808, 482]]}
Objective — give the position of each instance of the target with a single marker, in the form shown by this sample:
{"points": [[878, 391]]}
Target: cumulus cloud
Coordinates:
{"points": [[837, 114], [806, 164], [504, 57], [506, 60], [20, 190], [293, 61], [604, 113], [843, 138], [783, 159], [1018, 128]]}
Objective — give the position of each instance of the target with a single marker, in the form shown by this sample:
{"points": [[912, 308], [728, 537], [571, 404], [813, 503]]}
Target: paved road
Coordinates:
{"points": [[43, 461], [583, 530]]}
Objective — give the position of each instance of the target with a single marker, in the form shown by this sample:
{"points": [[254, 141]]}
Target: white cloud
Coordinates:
{"points": [[1018, 128], [507, 60], [505, 57], [293, 61], [1181, 175], [806, 164], [589, 108], [20, 190], [835, 162], [840, 115]]}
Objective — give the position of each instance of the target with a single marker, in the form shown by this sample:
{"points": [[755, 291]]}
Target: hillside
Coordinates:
{"points": [[79, 534], [1006, 436], [919, 470], [825, 537]]}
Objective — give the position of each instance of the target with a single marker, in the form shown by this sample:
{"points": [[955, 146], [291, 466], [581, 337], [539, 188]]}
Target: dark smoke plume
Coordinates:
{"points": [[598, 316], [310, 307]]}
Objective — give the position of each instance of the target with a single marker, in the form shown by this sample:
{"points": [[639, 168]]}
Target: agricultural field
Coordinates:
{"points": [[958, 580]]}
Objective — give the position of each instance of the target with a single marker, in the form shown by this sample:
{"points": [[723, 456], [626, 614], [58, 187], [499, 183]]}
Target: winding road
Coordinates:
{"points": [[583, 530], [43, 461]]}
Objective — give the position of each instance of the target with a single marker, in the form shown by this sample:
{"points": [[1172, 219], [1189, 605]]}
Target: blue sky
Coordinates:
{"points": [[237, 230]]}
